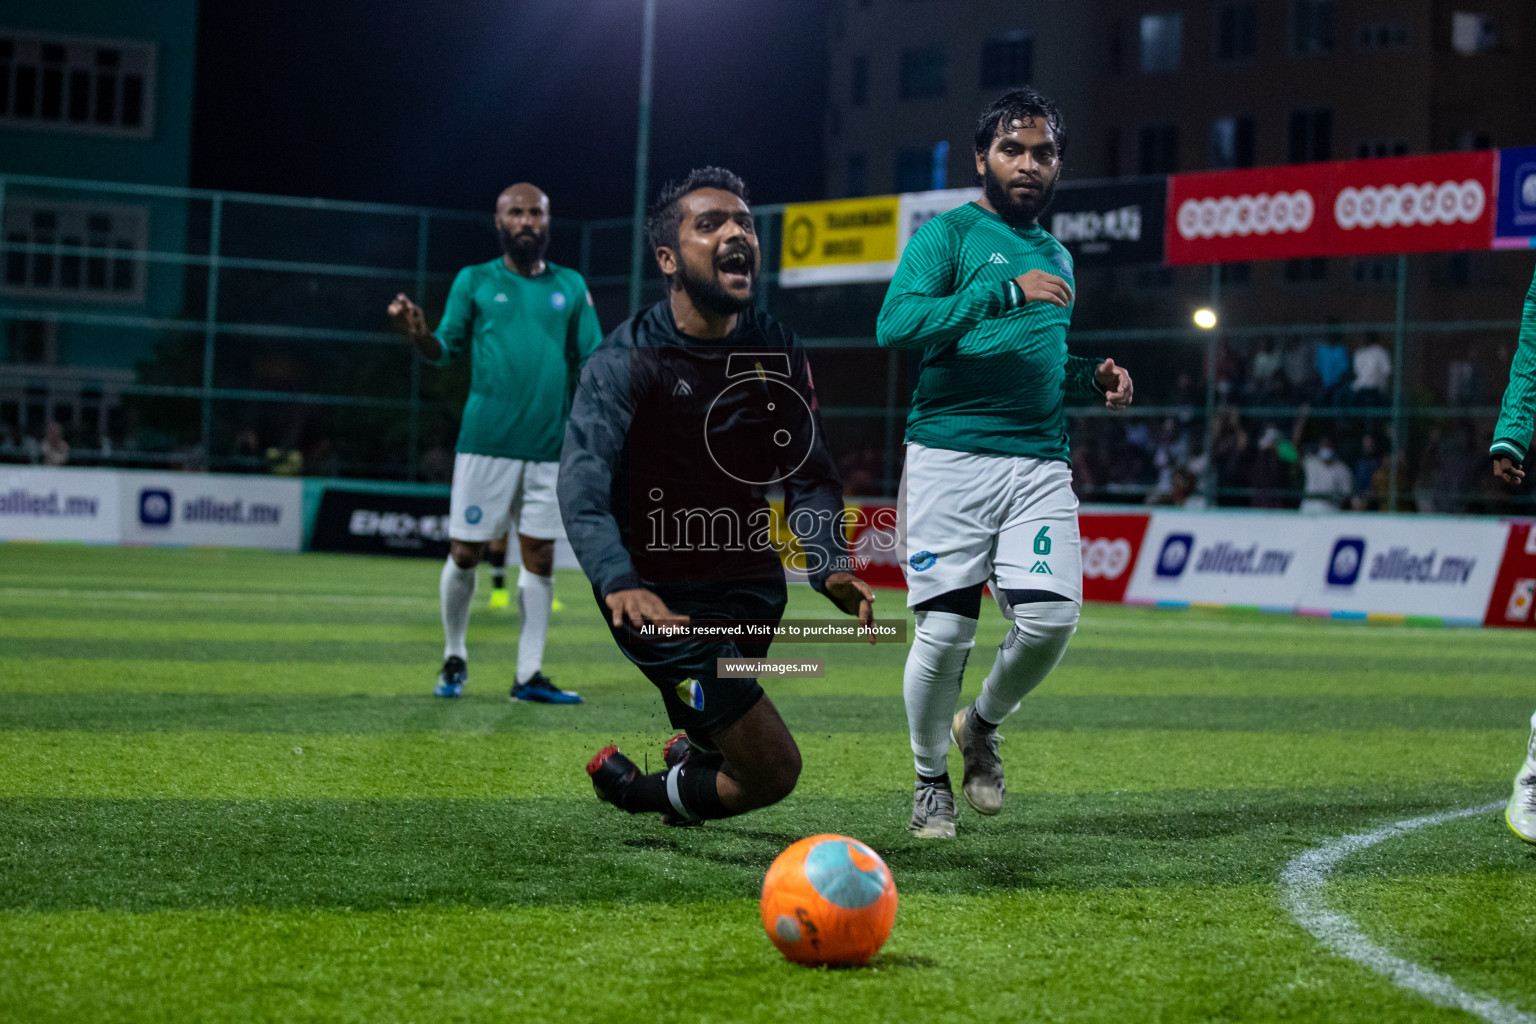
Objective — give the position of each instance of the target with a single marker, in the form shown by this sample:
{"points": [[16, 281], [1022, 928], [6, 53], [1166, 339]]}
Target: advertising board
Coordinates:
{"points": [[55, 503], [211, 509], [1439, 203]]}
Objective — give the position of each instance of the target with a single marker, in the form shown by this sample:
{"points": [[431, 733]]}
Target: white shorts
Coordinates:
{"points": [[1008, 520], [490, 494]]}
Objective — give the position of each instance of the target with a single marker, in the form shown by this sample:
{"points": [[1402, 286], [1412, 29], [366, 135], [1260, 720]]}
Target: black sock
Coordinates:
{"points": [[700, 795], [980, 724], [648, 793], [498, 560], [931, 780]]}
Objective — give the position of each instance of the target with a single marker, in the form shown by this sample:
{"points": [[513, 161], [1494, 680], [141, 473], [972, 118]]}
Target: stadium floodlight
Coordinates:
{"points": [[1205, 318]]}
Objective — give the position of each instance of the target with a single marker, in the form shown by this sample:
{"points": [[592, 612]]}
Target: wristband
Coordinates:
{"points": [[1013, 295]]}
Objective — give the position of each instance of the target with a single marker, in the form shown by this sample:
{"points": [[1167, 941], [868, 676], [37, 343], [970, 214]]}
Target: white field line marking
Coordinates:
{"points": [[193, 595], [1301, 889]]}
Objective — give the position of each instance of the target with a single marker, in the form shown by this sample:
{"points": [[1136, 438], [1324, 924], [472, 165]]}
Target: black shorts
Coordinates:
{"points": [[698, 701]]}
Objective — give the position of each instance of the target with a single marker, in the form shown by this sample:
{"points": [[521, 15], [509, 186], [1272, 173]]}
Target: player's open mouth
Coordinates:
{"points": [[735, 265]]}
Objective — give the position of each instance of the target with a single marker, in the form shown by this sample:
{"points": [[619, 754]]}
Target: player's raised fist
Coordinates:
{"points": [[406, 317], [1116, 383], [1039, 286]]}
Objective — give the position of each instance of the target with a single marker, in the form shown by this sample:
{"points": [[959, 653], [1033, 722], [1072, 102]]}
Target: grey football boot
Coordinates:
{"points": [[983, 782], [933, 810]]}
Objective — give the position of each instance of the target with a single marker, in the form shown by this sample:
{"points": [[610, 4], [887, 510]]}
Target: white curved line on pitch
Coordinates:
{"points": [[1301, 887]]}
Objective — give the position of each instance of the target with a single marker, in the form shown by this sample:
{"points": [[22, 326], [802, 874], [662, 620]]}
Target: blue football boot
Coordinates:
{"points": [[451, 680], [540, 690]]}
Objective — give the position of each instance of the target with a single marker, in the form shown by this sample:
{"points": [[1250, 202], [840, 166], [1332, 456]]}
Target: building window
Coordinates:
{"points": [[1314, 269], [858, 175], [1474, 139], [1237, 31], [1232, 142], [1311, 26], [1311, 136], [1008, 60], [922, 73], [1159, 149], [1473, 32], [77, 250], [65, 83], [1374, 149], [921, 168], [858, 82], [1382, 35], [1162, 42], [1376, 270]]}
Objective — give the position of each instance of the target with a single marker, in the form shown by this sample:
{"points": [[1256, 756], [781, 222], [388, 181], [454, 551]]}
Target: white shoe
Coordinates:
{"points": [[1520, 815]]}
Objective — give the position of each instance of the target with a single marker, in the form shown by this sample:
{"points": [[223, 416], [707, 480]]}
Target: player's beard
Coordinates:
{"points": [[1023, 211], [702, 284], [526, 248]]}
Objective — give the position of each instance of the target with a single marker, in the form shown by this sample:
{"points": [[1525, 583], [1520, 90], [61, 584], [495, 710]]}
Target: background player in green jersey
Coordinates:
{"points": [[1511, 441], [985, 294], [528, 325]]}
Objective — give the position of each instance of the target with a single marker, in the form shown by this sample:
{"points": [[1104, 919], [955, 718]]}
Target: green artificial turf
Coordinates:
{"points": [[227, 795]]}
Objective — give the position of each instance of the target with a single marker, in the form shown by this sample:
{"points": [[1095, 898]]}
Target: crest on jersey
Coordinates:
{"points": [[1063, 262], [557, 300], [691, 693]]}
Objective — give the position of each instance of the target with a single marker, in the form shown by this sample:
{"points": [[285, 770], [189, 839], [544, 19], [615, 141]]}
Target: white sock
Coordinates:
{"points": [[931, 685], [457, 590], [1026, 656], [535, 595]]}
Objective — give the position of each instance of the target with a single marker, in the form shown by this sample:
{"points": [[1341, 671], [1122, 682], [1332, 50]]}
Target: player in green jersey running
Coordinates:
{"points": [[528, 326], [985, 295], [1511, 440]]}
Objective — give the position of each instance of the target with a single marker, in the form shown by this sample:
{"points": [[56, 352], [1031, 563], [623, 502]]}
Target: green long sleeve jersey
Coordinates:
{"points": [[527, 339], [1512, 435], [993, 380]]}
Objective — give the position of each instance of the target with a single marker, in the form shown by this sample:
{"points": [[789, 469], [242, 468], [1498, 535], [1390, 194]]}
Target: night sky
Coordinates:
{"points": [[347, 99]]}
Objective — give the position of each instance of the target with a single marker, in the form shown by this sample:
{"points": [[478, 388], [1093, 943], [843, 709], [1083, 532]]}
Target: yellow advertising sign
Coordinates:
{"points": [[840, 240]]}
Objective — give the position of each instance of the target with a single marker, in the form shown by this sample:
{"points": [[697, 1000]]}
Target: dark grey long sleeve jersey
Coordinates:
{"points": [[671, 448]]}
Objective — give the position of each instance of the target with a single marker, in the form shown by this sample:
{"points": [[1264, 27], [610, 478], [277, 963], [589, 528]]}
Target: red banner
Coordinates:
{"points": [[1110, 546], [1514, 592], [1441, 203]]}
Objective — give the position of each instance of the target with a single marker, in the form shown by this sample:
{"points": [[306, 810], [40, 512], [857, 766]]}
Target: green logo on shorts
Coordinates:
{"points": [[1042, 567]]}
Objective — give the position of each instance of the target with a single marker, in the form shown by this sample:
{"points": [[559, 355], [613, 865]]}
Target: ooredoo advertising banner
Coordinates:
{"points": [[1225, 559], [1439, 203], [1396, 565], [1110, 546], [210, 509], [48, 503], [1514, 591]]}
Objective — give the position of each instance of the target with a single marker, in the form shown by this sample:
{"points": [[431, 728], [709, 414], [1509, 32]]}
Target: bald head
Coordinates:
{"points": [[522, 222], [523, 195]]}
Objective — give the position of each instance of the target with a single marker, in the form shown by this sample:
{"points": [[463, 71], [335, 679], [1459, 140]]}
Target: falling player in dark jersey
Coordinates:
{"points": [[684, 417]]}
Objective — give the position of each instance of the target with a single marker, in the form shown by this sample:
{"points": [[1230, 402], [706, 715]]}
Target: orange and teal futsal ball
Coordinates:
{"points": [[828, 900]]}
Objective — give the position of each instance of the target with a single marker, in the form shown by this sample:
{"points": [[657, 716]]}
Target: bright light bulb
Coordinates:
{"points": [[1205, 318]]}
